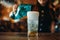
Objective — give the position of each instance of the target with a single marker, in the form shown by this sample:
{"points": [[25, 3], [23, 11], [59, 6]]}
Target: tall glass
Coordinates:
{"points": [[32, 20]]}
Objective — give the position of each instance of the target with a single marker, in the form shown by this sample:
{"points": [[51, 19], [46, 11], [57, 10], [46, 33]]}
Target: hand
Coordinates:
{"points": [[15, 7]]}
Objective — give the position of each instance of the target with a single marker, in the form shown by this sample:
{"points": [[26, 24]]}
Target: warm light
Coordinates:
{"points": [[56, 2]]}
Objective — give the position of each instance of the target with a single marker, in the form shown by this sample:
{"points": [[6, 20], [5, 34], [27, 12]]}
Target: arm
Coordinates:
{"points": [[53, 27]]}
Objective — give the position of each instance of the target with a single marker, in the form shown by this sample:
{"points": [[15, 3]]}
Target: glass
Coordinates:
{"points": [[32, 19]]}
